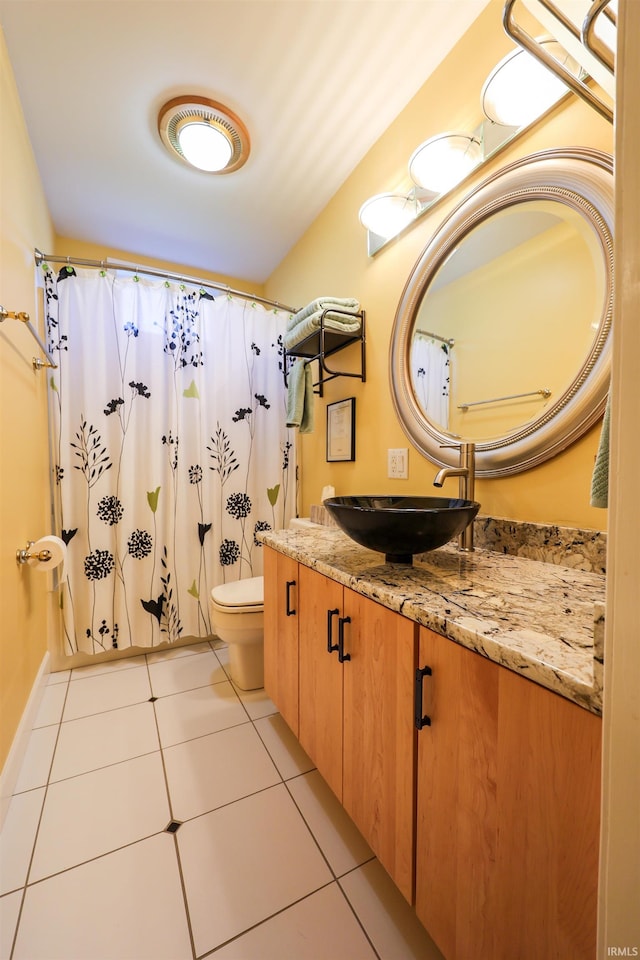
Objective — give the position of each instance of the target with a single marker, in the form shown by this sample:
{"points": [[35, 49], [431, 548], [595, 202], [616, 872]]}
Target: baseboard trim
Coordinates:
{"points": [[15, 758]]}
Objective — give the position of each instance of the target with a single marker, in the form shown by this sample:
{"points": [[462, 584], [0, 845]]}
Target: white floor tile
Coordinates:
{"points": [[245, 862], [125, 905], [59, 676], [254, 876], [107, 691], [337, 836], [51, 705], [390, 922], [36, 765], [172, 653], [95, 813], [320, 927], [195, 713], [17, 837], [256, 702], [285, 749], [206, 773], [107, 666], [185, 673], [9, 910], [106, 738]]}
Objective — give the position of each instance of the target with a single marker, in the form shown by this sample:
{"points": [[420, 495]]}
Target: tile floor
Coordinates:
{"points": [[265, 864]]}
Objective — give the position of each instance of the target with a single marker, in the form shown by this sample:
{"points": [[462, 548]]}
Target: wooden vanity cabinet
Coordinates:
{"points": [[507, 812], [493, 806], [281, 592], [357, 665], [456, 829], [354, 715], [379, 735], [321, 675]]}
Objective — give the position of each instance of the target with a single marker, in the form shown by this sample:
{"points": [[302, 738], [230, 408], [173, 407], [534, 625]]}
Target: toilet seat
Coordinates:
{"points": [[240, 596]]}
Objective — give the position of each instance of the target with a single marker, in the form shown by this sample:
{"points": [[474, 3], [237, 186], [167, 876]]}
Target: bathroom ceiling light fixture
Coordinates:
{"points": [[204, 134], [520, 89], [387, 214], [441, 162]]}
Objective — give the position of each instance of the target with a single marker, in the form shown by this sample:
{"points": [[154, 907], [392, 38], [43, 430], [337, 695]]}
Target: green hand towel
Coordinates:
{"points": [[600, 478], [306, 425], [300, 397]]}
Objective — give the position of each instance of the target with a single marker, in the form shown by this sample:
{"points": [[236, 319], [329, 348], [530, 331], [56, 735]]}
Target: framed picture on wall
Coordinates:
{"points": [[341, 430]]}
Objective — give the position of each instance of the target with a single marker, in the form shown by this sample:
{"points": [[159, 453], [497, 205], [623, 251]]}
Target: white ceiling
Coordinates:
{"points": [[315, 81]]}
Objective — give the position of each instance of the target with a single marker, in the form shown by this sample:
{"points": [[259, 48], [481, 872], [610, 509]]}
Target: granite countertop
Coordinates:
{"points": [[542, 620]]}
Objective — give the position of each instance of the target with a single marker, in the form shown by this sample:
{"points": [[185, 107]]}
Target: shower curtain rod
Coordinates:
{"points": [[163, 274]]}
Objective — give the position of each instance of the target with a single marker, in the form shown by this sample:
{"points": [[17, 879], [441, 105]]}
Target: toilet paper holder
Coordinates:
{"points": [[22, 556]]}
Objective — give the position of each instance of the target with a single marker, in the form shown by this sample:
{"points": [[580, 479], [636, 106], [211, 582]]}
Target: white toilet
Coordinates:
{"points": [[237, 617]]}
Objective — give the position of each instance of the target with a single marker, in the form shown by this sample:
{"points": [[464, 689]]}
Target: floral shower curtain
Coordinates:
{"points": [[430, 373], [170, 451]]}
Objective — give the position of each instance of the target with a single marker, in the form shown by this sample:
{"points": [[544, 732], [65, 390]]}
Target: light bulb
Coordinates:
{"points": [[440, 163], [520, 88], [387, 214], [204, 146]]}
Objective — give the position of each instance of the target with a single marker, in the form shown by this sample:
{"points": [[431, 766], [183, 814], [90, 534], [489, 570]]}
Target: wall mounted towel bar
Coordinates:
{"points": [[38, 363], [545, 392]]}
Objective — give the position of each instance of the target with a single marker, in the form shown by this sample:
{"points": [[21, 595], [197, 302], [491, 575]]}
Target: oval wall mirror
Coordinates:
{"points": [[502, 333]]}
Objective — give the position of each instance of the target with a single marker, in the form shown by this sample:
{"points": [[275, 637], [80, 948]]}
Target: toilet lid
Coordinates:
{"points": [[240, 593]]}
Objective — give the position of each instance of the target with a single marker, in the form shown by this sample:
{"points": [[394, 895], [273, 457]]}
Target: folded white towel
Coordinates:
{"points": [[320, 304], [340, 322]]}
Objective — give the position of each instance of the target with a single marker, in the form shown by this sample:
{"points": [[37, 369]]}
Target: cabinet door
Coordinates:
{"points": [[320, 671], [457, 821], [549, 813], [508, 813], [281, 595], [379, 732]]}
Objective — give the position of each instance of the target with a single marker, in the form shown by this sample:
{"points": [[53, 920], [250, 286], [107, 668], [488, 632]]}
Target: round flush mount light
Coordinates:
{"points": [[203, 133]]}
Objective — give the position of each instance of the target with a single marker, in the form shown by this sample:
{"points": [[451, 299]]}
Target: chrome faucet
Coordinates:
{"points": [[467, 473]]}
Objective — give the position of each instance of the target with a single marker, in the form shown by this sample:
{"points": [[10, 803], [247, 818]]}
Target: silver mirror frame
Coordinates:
{"points": [[582, 178]]}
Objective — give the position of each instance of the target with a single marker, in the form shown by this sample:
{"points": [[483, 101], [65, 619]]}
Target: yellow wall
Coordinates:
{"points": [[331, 259], [520, 323], [68, 247], [24, 514]]}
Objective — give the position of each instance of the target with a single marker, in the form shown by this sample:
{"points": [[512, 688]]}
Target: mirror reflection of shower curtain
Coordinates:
{"points": [[170, 451], [431, 374]]}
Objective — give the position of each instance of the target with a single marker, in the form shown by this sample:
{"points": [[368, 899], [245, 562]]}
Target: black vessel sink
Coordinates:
{"points": [[401, 526]]}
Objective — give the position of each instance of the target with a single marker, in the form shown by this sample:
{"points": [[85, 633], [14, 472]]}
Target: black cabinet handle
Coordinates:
{"points": [[330, 615], [421, 721], [290, 612], [342, 656]]}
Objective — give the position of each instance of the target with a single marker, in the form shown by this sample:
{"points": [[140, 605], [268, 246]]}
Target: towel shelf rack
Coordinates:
{"points": [[324, 342]]}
